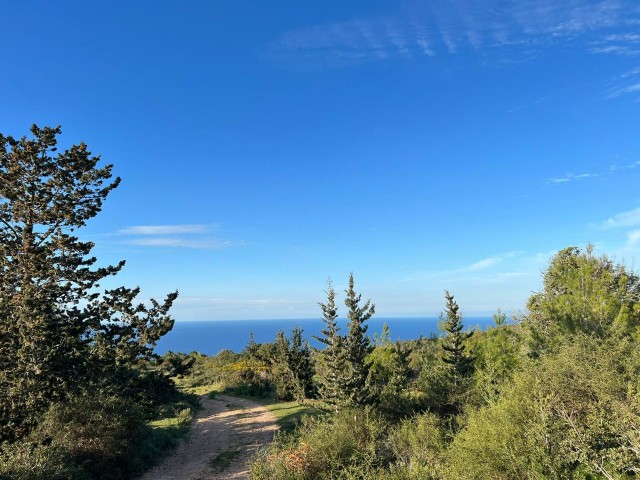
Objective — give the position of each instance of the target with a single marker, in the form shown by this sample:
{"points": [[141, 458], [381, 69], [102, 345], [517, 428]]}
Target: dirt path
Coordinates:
{"points": [[230, 426]]}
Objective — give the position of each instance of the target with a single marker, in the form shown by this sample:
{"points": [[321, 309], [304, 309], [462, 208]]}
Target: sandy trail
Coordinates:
{"points": [[223, 424]]}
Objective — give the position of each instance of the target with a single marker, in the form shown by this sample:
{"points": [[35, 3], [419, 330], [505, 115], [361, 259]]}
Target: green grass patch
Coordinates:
{"points": [[223, 460], [289, 414]]}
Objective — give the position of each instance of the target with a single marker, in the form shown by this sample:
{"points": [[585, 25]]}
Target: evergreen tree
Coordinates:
{"points": [[357, 348], [583, 293], [282, 375], [251, 350], [454, 355], [300, 365], [56, 330], [332, 359]]}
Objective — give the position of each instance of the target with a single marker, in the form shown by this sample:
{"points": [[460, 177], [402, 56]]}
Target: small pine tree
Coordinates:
{"points": [[357, 348], [282, 376], [300, 365], [331, 357], [454, 355], [252, 348]]}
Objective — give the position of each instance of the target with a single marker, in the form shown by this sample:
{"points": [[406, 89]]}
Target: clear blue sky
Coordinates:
{"points": [[266, 146]]}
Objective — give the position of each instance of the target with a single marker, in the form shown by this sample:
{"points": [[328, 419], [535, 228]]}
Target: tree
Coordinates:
{"points": [[453, 345], [357, 348], [583, 293], [56, 330], [389, 374], [282, 375], [332, 360], [300, 365]]}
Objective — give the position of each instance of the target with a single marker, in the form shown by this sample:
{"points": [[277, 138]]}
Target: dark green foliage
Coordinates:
{"points": [[389, 376], [331, 359], [299, 359], [252, 349], [57, 333], [454, 344], [100, 433], [291, 367], [77, 378], [357, 348], [24, 460], [175, 364], [281, 373], [44, 271]]}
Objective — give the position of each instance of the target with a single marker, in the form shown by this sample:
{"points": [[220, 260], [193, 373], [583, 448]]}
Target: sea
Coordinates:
{"points": [[209, 337]]}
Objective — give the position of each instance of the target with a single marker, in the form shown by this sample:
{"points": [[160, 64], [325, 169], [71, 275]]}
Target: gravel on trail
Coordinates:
{"points": [[228, 426]]}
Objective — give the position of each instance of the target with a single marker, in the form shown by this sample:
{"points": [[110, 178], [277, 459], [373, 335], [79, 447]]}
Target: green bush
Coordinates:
{"points": [[26, 461], [572, 415], [349, 445], [104, 435], [417, 445]]}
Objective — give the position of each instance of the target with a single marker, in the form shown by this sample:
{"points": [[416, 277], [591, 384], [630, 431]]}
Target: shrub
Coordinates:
{"points": [[27, 461], [417, 445], [104, 435], [349, 445]]}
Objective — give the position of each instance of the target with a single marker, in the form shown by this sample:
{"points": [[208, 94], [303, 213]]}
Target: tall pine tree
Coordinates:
{"points": [[453, 345], [56, 330], [357, 348], [332, 358]]}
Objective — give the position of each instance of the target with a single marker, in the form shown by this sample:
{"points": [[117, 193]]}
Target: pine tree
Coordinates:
{"points": [[332, 357], [454, 355], [251, 350], [282, 375], [357, 348], [300, 365], [56, 330]]}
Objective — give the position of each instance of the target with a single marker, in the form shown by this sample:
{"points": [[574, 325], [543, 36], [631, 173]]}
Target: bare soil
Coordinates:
{"points": [[228, 426]]}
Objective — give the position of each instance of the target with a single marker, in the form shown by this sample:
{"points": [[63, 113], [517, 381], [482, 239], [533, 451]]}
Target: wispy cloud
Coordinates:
{"points": [[630, 218], [445, 28], [633, 239], [209, 243], [569, 178], [627, 83], [190, 236], [162, 229], [463, 271], [488, 262]]}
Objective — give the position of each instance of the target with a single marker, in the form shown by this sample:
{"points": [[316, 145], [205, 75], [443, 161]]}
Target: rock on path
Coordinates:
{"points": [[223, 424]]}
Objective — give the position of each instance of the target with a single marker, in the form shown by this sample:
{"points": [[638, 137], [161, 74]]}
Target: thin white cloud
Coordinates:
{"points": [[190, 236], [488, 262], [569, 178], [207, 243], [162, 229], [633, 238], [630, 218]]}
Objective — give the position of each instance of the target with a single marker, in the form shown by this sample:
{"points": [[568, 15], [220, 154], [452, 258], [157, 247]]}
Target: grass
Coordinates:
{"points": [[289, 414], [224, 459]]}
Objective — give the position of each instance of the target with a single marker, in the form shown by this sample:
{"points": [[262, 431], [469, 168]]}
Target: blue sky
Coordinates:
{"points": [[266, 146]]}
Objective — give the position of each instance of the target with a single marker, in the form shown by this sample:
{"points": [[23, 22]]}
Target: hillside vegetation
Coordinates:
{"points": [[552, 394]]}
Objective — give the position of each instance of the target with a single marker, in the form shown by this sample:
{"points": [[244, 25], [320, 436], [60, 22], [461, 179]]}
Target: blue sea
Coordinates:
{"points": [[209, 337]]}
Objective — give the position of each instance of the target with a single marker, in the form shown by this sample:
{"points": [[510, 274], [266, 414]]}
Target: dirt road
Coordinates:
{"points": [[224, 435]]}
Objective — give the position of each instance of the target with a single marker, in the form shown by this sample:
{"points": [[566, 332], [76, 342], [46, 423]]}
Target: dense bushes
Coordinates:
{"points": [[569, 415], [346, 445], [24, 460], [556, 396]]}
